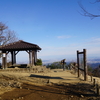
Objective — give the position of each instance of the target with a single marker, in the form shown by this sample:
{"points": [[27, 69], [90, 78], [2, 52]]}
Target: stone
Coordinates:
{"points": [[20, 87], [72, 96], [82, 96]]}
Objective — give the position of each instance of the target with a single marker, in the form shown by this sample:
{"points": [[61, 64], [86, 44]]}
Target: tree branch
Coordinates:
{"points": [[86, 13]]}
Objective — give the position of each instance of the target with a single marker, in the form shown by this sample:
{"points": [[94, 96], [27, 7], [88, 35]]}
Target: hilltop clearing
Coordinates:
{"points": [[53, 85]]}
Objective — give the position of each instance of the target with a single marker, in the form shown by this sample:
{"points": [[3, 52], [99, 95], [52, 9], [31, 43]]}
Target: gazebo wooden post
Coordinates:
{"points": [[33, 58], [13, 57], [4, 60], [30, 57]]}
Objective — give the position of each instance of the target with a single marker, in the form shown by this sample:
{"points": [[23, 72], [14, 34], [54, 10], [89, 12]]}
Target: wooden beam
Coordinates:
{"points": [[27, 51], [16, 52], [78, 63], [85, 65]]}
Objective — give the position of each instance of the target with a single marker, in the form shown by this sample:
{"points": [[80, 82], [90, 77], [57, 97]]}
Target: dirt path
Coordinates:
{"points": [[54, 92], [55, 85]]}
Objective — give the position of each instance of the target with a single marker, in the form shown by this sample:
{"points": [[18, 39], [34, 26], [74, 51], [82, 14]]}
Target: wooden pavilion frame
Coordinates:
{"points": [[15, 47], [84, 69]]}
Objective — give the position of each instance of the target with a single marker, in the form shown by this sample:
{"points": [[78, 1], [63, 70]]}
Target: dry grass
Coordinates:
{"points": [[10, 80]]}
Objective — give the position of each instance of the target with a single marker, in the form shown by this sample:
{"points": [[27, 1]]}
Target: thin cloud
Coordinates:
{"points": [[63, 37], [94, 41]]}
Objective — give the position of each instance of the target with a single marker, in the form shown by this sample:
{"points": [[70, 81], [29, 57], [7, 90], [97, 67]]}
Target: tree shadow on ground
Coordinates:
{"points": [[80, 90], [84, 89], [46, 77], [66, 90]]}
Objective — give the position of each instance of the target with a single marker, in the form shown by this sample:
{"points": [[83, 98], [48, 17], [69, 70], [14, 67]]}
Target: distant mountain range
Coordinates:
{"points": [[92, 62], [94, 65]]}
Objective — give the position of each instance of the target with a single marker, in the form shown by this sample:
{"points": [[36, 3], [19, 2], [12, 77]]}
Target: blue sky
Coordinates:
{"points": [[55, 25]]}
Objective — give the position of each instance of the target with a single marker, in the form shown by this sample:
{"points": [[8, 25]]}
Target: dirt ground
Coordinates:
{"points": [[54, 85]]}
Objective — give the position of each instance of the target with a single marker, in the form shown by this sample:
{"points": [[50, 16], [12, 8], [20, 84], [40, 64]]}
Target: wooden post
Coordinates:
{"points": [[33, 57], [12, 57], [78, 62], [91, 77], [15, 53], [85, 65], [97, 90], [63, 64], [30, 57], [4, 61], [94, 82]]}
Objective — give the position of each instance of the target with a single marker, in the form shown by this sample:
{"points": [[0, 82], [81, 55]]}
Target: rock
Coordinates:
{"points": [[72, 96], [63, 92], [22, 97], [82, 96], [20, 87]]}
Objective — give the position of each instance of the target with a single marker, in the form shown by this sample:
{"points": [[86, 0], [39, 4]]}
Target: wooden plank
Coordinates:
{"points": [[80, 52], [81, 69]]}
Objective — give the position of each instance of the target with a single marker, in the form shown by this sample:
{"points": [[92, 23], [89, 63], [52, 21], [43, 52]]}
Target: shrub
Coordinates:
{"points": [[39, 62]]}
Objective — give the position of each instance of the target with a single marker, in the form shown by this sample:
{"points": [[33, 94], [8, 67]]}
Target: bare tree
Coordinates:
{"points": [[9, 37], [2, 28], [6, 35], [84, 12]]}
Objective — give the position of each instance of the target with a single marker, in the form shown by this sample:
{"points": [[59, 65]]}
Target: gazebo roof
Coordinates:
{"points": [[19, 45]]}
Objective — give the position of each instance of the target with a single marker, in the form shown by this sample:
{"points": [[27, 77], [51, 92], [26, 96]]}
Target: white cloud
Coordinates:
{"points": [[63, 37], [93, 50], [57, 52], [93, 41], [69, 51]]}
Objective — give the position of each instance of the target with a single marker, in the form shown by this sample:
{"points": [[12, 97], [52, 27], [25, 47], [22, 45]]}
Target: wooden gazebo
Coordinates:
{"points": [[15, 47]]}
